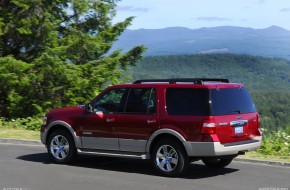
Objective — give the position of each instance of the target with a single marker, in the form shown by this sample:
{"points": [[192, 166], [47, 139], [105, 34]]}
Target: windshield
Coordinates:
{"points": [[231, 101]]}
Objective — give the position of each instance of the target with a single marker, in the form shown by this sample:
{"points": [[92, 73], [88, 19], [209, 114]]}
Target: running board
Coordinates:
{"points": [[119, 154]]}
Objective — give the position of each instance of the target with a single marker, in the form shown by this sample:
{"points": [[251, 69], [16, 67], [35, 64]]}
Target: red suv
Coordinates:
{"points": [[170, 121]]}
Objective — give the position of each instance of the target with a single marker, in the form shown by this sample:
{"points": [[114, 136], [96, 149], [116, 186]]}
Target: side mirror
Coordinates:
{"points": [[100, 114], [88, 108]]}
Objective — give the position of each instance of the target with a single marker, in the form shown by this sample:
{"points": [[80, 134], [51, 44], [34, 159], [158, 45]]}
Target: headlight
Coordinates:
{"points": [[44, 120]]}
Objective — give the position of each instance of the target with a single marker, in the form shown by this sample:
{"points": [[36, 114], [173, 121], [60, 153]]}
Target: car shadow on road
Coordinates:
{"points": [[196, 170]]}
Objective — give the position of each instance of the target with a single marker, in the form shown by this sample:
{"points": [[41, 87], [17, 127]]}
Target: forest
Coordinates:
{"points": [[56, 58], [56, 53], [267, 79]]}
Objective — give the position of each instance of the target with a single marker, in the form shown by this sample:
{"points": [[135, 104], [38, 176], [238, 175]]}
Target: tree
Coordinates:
{"points": [[62, 49]]}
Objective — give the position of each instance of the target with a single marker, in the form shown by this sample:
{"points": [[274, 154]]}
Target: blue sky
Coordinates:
{"points": [[152, 14]]}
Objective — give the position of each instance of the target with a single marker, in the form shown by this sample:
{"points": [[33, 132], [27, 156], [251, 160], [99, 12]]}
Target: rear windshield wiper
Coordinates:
{"points": [[236, 111]]}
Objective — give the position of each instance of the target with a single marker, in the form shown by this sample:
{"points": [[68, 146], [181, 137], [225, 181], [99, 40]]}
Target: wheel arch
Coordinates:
{"points": [[162, 134], [55, 125]]}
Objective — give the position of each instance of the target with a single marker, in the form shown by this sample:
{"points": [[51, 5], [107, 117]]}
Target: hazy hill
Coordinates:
{"points": [[267, 79], [271, 42], [258, 73]]}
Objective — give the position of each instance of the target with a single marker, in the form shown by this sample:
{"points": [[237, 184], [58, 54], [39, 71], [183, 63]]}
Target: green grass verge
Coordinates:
{"points": [[260, 156], [19, 134]]}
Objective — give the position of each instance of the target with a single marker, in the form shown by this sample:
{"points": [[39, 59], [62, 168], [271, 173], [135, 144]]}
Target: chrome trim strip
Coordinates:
{"points": [[87, 133], [100, 143], [239, 123], [113, 154], [132, 145]]}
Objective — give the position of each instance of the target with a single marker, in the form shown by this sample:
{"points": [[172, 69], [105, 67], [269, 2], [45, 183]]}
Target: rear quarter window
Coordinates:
{"points": [[187, 101]]}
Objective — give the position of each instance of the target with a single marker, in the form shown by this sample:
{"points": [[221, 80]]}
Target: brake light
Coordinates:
{"points": [[208, 126]]}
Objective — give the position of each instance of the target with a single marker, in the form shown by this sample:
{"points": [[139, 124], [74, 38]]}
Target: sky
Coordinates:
{"points": [[157, 14]]}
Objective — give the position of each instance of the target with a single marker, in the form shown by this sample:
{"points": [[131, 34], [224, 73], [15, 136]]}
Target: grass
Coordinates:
{"points": [[19, 134], [260, 156]]}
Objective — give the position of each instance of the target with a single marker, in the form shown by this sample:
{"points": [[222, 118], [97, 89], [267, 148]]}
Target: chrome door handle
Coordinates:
{"points": [[151, 121], [110, 120]]}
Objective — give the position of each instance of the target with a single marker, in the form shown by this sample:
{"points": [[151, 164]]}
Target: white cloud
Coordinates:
{"points": [[262, 1], [285, 10], [212, 19]]}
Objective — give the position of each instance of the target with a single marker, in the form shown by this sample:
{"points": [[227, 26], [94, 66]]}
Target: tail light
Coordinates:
{"points": [[208, 126], [259, 131]]}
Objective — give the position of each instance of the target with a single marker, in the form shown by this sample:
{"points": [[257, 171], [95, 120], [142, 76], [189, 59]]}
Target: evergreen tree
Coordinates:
{"points": [[59, 52]]}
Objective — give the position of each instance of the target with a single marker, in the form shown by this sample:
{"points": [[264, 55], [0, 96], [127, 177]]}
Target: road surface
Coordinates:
{"points": [[27, 167]]}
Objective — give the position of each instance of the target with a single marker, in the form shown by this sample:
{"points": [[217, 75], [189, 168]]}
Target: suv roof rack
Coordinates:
{"points": [[186, 80]]}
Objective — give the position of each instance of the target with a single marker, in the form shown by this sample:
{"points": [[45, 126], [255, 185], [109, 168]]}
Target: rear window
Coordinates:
{"points": [[204, 102], [187, 101], [227, 101]]}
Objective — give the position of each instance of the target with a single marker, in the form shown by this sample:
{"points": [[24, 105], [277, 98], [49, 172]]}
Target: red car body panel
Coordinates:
{"points": [[140, 126]]}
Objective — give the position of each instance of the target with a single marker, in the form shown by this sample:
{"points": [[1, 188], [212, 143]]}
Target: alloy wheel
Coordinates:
{"points": [[59, 147], [166, 158]]}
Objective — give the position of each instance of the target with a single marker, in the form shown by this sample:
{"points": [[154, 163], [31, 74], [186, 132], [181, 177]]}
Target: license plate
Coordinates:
{"points": [[239, 130]]}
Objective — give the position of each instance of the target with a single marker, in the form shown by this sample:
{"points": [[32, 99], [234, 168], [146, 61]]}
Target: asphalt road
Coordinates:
{"points": [[27, 167]]}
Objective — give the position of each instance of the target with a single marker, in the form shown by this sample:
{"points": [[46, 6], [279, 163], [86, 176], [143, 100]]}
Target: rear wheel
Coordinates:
{"points": [[169, 158], [217, 162], [61, 147]]}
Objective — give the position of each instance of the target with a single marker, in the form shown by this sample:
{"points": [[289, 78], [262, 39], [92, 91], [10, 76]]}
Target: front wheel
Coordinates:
{"points": [[169, 158], [61, 147], [217, 162]]}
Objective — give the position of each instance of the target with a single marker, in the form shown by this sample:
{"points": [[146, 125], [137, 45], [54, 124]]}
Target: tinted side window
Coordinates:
{"points": [[187, 101], [141, 101], [231, 101], [110, 102]]}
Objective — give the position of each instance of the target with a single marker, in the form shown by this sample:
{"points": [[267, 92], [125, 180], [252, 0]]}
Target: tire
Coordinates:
{"points": [[61, 147], [217, 163], [169, 158]]}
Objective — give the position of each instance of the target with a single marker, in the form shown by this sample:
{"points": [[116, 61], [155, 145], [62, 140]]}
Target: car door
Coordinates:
{"points": [[98, 127], [137, 120]]}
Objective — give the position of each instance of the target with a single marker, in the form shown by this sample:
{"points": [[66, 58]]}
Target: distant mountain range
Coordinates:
{"points": [[270, 42]]}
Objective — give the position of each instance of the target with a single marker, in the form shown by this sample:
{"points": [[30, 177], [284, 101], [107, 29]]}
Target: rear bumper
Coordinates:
{"points": [[200, 149]]}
